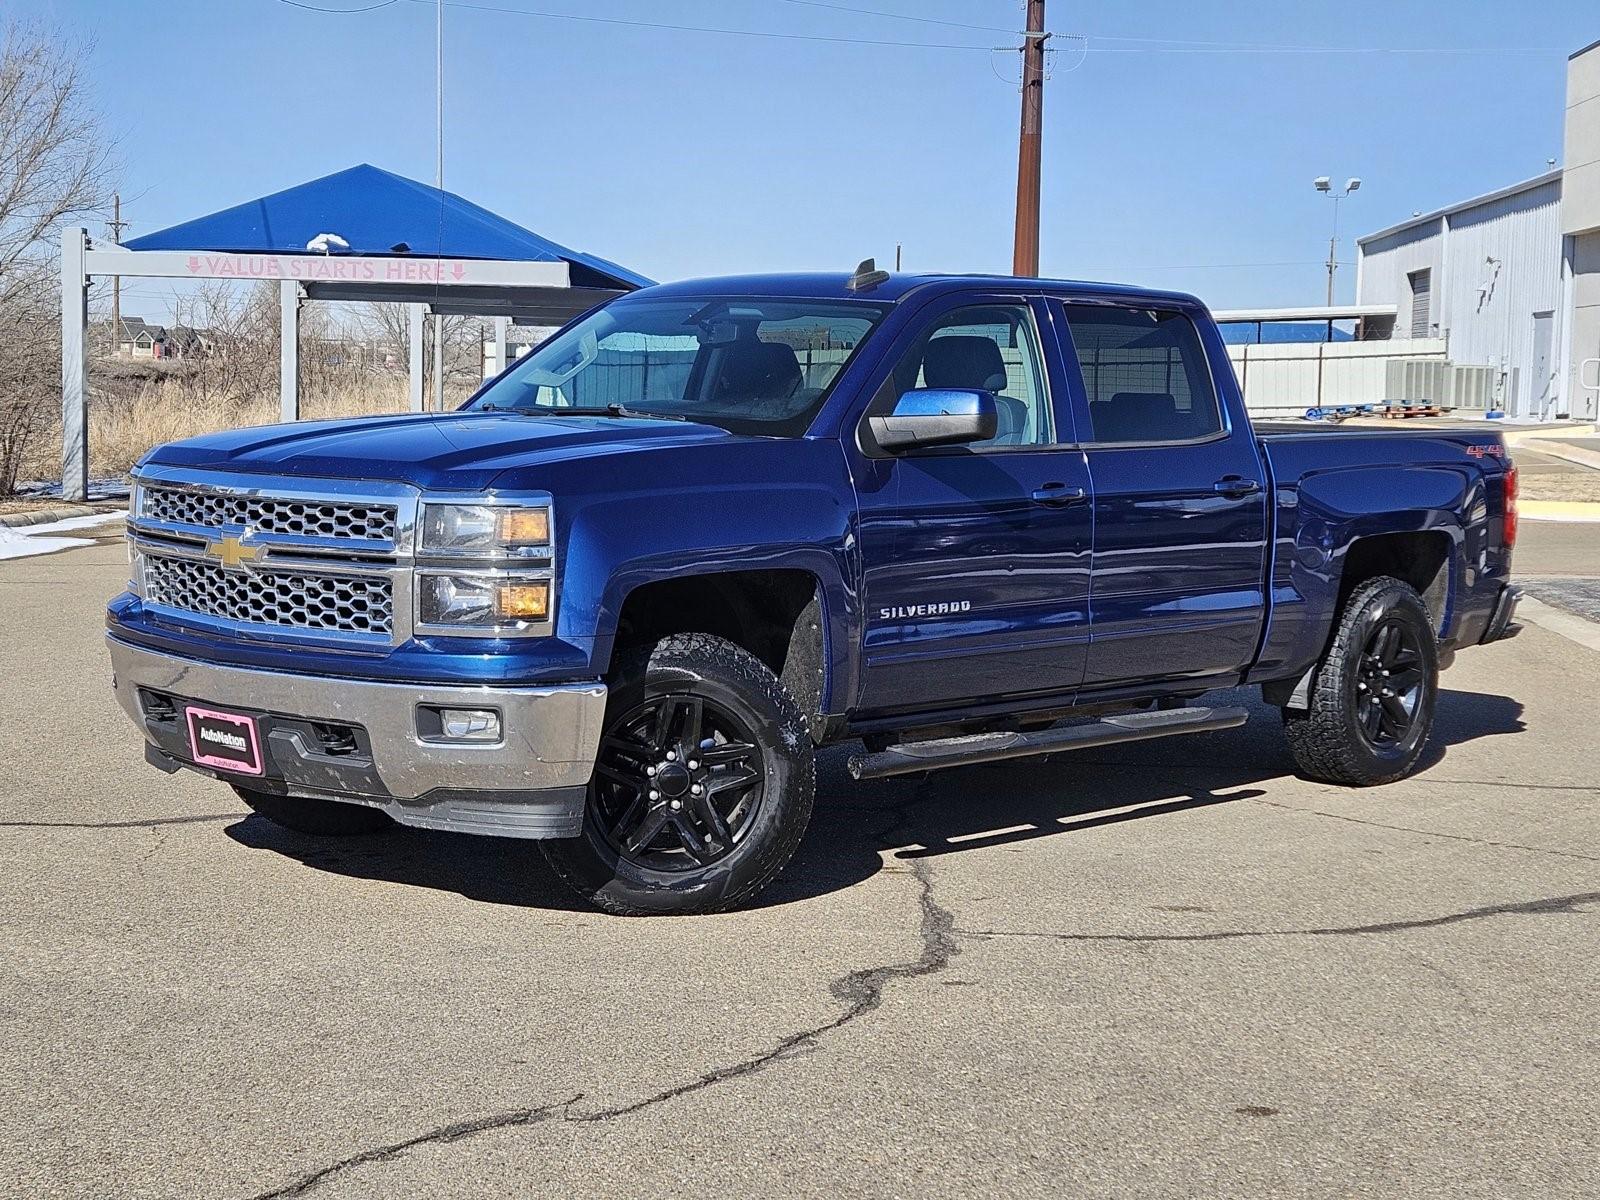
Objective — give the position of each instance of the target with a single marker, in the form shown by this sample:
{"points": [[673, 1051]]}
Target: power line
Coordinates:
{"points": [[318, 8], [1089, 43], [897, 16], [1162, 45], [1305, 262], [715, 29]]}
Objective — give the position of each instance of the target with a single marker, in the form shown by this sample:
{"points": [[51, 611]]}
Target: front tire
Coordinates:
{"points": [[321, 818], [702, 788], [1374, 692]]}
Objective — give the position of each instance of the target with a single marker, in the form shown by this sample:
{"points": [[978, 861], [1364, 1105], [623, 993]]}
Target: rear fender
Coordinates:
{"points": [[1327, 513]]}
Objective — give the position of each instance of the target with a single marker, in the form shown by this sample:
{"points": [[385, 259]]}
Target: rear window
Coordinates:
{"points": [[1145, 375]]}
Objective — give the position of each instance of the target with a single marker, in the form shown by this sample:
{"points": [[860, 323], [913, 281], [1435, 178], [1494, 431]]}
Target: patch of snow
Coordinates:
{"points": [[112, 488], [30, 540]]}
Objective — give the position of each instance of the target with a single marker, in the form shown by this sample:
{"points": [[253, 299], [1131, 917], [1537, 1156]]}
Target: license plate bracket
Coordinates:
{"points": [[227, 741]]}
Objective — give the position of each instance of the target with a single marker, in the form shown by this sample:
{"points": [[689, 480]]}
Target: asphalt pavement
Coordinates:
{"points": [[1167, 970]]}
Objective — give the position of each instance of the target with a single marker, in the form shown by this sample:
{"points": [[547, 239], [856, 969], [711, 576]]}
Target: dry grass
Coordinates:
{"points": [[123, 428], [1575, 485], [121, 432]]}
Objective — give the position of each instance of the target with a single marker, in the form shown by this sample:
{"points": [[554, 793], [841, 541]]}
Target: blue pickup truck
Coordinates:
{"points": [[618, 599]]}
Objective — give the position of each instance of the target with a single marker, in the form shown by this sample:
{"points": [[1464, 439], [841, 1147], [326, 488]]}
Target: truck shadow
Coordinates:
{"points": [[856, 825]]}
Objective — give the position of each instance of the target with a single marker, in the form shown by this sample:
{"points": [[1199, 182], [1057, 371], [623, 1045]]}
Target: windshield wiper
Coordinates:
{"points": [[602, 410], [578, 410]]}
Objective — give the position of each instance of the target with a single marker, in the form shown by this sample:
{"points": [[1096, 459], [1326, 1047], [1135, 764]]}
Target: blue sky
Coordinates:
{"points": [[682, 153]]}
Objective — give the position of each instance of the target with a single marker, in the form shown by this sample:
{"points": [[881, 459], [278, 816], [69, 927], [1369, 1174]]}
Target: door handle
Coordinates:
{"points": [[1059, 495], [1235, 485]]}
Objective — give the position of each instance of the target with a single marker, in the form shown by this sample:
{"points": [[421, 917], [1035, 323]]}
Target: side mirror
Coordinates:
{"points": [[936, 417]]}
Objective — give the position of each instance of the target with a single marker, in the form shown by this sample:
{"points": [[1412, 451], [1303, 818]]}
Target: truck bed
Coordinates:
{"points": [[1290, 428]]}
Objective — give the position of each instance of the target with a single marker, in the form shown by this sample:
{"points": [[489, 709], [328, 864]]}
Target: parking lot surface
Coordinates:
{"points": [[1167, 970]]}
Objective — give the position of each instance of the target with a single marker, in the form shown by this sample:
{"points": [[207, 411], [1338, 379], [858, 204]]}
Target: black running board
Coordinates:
{"points": [[911, 757]]}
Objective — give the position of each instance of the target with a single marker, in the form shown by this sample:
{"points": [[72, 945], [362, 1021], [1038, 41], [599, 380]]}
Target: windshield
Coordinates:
{"points": [[747, 365]]}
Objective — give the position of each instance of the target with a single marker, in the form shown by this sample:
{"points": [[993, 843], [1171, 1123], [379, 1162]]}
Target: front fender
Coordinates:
{"points": [[745, 505]]}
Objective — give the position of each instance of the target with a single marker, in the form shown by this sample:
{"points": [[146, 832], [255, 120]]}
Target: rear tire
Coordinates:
{"points": [[702, 788], [1374, 692], [322, 818]]}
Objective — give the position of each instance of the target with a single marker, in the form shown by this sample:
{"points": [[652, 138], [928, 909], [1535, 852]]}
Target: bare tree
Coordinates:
{"points": [[242, 329], [389, 325], [53, 167]]}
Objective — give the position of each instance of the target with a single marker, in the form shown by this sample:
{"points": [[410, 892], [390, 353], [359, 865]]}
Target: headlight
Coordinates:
{"points": [[135, 566], [483, 601], [484, 530]]}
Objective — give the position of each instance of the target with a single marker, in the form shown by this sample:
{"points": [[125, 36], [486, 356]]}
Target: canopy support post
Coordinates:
{"points": [[74, 366], [501, 326], [288, 350], [414, 349], [438, 362]]}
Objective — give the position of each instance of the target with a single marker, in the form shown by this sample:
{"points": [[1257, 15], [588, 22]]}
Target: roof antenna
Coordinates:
{"points": [[866, 276]]}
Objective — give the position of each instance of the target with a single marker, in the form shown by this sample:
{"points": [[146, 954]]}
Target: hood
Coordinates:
{"points": [[443, 451]]}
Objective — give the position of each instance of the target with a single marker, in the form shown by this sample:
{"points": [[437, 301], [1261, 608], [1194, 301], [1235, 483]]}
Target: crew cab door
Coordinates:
{"points": [[1180, 505], [975, 558]]}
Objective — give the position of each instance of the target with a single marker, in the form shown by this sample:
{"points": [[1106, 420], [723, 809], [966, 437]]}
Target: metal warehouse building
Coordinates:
{"points": [[1511, 279]]}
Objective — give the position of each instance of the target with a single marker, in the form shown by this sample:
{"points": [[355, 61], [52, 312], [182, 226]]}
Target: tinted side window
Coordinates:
{"points": [[989, 348], [1145, 374]]}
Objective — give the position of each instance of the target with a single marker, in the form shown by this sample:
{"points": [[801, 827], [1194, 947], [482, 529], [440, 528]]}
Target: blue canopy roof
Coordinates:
{"points": [[379, 213]]}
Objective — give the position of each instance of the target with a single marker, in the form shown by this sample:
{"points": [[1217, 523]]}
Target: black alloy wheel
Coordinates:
{"points": [[1389, 678], [703, 784], [1370, 709], [678, 782]]}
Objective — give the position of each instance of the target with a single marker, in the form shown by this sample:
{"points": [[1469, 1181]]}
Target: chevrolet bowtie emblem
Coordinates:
{"points": [[232, 553]]}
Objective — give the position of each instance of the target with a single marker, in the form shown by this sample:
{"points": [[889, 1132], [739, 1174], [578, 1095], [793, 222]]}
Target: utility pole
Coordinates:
{"points": [[438, 179], [1333, 261], [116, 224], [438, 95], [1025, 253]]}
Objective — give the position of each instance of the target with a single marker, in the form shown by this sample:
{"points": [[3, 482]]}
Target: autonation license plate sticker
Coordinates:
{"points": [[224, 740]]}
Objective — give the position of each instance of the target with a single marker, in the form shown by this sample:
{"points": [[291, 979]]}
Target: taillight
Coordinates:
{"points": [[1508, 529]]}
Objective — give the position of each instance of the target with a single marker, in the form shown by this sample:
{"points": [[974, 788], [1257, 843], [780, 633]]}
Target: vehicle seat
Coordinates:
{"points": [[1139, 417], [757, 370], [973, 362]]}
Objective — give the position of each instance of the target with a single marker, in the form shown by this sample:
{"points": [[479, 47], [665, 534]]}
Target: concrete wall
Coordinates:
{"points": [[1580, 221], [1285, 379], [1581, 205], [1583, 349]]}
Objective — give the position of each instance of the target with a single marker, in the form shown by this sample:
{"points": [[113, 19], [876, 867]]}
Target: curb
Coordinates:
{"points": [[1568, 625], [1576, 455], [1543, 433], [66, 512], [1559, 510]]}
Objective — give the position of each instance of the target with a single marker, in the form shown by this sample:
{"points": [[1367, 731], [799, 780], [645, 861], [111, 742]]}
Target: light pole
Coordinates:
{"points": [[1325, 185]]}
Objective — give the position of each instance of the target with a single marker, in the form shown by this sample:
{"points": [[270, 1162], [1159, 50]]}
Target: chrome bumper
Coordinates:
{"points": [[531, 783]]}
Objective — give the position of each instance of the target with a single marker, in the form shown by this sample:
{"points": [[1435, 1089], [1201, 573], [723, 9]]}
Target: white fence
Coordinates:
{"points": [[1282, 379]]}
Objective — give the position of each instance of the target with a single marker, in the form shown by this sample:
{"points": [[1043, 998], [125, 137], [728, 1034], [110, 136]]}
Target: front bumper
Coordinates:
{"points": [[531, 783]]}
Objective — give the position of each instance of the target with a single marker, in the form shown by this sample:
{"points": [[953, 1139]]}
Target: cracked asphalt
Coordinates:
{"points": [[1169, 970]]}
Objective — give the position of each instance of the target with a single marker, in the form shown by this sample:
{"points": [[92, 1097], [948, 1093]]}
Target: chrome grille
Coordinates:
{"points": [[288, 599], [304, 518]]}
